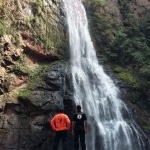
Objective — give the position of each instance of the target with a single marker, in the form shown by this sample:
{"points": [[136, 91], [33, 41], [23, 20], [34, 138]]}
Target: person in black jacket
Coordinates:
{"points": [[79, 128]]}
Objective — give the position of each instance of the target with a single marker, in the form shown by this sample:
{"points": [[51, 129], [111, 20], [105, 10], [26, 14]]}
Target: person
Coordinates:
{"points": [[60, 123], [79, 128]]}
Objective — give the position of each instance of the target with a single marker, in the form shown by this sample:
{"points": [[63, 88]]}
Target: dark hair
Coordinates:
{"points": [[78, 107]]}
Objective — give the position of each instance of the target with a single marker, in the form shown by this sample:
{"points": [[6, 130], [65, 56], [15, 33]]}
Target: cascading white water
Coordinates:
{"points": [[110, 125]]}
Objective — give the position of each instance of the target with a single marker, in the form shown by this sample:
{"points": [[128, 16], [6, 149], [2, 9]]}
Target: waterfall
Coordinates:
{"points": [[110, 126]]}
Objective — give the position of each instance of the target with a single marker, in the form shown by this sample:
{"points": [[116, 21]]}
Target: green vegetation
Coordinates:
{"points": [[2, 27], [47, 35], [1, 4], [101, 29], [124, 6], [37, 7], [20, 69], [24, 93], [50, 37], [41, 24], [44, 31], [130, 45], [131, 48], [145, 71], [98, 3], [126, 44], [29, 21], [124, 74], [37, 75]]}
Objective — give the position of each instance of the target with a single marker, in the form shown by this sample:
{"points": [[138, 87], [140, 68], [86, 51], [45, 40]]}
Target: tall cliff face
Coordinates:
{"points": [[31, 32], [32, 40]]}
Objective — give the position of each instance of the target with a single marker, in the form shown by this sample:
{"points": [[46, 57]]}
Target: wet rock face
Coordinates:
{"points": [[25, 126]]}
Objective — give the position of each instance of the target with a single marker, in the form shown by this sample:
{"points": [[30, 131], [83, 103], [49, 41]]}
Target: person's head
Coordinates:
{"points": [[78, 108], [60, 110]]}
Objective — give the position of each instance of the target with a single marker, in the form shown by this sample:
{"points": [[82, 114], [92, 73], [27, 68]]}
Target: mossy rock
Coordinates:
{"points": [[24, 93], [118, 69], [128, 77], [37, 75]]}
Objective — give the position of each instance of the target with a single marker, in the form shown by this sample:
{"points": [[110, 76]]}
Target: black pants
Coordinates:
{"points": [[79, 135], [60, 135]]}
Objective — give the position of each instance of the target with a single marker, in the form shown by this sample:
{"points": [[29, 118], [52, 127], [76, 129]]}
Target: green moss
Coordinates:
{"points": [[1, 4], [50, 37], [127, 76], [37, 6], [24, 93], [37, 75], [29, 21], [2, 27], [130, 79], [102, 28], [99, 2], [38, 72], [118, 69], [15, 39], [20, 69], [49, 44]]}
